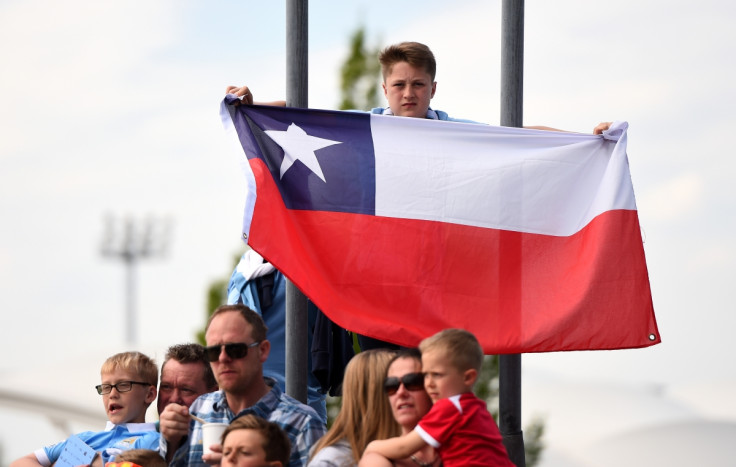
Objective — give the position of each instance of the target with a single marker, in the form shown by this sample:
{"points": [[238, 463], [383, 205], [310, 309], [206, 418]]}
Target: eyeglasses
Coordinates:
{"points": [[122, 386], [411, 381], [234, 351]]}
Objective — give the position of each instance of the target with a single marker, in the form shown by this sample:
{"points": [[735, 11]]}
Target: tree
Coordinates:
{"points": [[486, 388], [360, 75], [216, 296]]}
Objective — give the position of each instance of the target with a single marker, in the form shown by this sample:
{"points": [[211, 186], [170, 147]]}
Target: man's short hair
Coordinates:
{"points": [[459, 346], [134, 362], [275, 441], [415, 54], [251, 317], [142, 457], [191, 353]]}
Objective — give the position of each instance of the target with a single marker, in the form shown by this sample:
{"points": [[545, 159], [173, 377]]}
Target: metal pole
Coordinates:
{"points": [[512, 98], [297, 321], [130, 301], [129, 257], [131, 243]]}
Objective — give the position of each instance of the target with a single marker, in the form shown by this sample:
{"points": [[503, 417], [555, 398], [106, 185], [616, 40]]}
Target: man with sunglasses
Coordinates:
{"points": [[237, 348]]}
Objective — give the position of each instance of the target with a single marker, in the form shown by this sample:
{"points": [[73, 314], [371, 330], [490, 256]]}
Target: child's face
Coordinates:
{"points": [[244, 448], [127, 407], [441, 378], [408, 90]]}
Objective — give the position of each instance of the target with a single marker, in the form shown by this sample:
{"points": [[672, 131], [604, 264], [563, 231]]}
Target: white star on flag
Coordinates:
{"points": [[298, 145]]}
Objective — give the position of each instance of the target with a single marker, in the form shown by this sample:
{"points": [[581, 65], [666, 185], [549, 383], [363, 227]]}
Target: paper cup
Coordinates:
{"points": [[212, 434]]}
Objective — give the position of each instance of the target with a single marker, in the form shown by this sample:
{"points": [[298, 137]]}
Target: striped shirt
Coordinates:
{"points": [[300, 422]]}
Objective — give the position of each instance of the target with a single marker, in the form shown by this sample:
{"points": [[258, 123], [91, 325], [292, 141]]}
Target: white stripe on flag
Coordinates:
{"points": [[532, 181]]}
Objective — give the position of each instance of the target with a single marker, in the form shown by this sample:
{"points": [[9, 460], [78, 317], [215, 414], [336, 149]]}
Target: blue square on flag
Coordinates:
{"points": [[320, 160]]}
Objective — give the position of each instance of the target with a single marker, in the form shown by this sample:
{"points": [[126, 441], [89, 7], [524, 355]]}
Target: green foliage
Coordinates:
{"points": [[486, 388], [216, 296], [360, 75], [533, 444]]}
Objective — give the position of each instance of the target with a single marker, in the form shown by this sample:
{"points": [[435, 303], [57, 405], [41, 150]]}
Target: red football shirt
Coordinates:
{"points": [[463, 431]]}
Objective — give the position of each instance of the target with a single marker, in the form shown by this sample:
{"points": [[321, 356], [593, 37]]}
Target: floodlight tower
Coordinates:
{"points": [[130, 242]]}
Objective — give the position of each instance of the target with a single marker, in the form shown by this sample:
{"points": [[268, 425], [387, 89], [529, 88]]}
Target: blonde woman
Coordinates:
{"points": [[404, 388], [365, 414]]}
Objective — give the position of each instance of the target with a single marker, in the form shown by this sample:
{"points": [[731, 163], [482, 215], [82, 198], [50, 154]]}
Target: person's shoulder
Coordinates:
{"points": [[337, 454], [288, 404], [206, 401], [469, 398], [289, 412], [442, 115], [209, 406], [141, 428]]}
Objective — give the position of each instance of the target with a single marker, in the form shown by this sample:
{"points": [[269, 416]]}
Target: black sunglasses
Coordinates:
{"points": [[411, 381], [234, 351]]}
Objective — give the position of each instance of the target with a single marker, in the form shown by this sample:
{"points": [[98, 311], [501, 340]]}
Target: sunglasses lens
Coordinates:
{"points": [[235, 351], [413, 381], [391, 385], [213, 352]]}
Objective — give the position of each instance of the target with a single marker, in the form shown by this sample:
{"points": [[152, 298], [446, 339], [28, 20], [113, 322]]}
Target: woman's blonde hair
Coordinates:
{"points": [[366, 413]]}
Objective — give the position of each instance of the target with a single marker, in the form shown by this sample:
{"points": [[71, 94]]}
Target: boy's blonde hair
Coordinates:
{"points": [[142, 457], [134, 362], [459, 346]]}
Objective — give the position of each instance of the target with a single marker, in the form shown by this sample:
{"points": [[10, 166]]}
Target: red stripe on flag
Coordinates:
{"points": [[402, 280]]}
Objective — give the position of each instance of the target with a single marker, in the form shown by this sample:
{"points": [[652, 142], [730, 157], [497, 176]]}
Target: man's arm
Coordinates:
{"points": [[247, 96], [599, 129], [397, 448], [26, 461]]}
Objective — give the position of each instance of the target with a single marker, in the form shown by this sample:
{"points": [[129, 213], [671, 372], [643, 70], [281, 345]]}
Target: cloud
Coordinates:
{"points": [[673, 199]]}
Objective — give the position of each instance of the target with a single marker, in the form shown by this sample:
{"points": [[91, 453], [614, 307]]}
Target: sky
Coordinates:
{"points": [[111, 109]]}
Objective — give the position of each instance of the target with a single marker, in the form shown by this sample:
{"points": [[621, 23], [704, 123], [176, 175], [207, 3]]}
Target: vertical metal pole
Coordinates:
{"points": [[130, 245], [512, 98], [131, 325], [297, 321]]}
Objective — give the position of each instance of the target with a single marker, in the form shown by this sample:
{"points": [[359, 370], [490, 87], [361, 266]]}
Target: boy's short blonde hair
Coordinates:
{"points": [[459, 346], [142, 457], [134, 362]]}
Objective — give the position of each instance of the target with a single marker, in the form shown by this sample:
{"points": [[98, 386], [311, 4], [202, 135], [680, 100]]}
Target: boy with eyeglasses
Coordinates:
{"points": [[458, 425], [128, 387]]}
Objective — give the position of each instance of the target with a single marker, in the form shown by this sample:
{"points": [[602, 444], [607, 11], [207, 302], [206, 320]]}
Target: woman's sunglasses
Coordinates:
{"points": [[411, 381]]}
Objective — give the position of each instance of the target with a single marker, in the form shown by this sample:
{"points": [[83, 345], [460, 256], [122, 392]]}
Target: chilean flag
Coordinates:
{"points": [[400, 227]]}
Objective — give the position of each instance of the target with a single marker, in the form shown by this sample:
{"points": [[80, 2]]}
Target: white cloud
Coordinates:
{"points": [[674, 199], [112, 107]]}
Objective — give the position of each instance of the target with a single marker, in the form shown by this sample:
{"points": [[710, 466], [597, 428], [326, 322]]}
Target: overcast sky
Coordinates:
{"points": [[111, 108]]}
